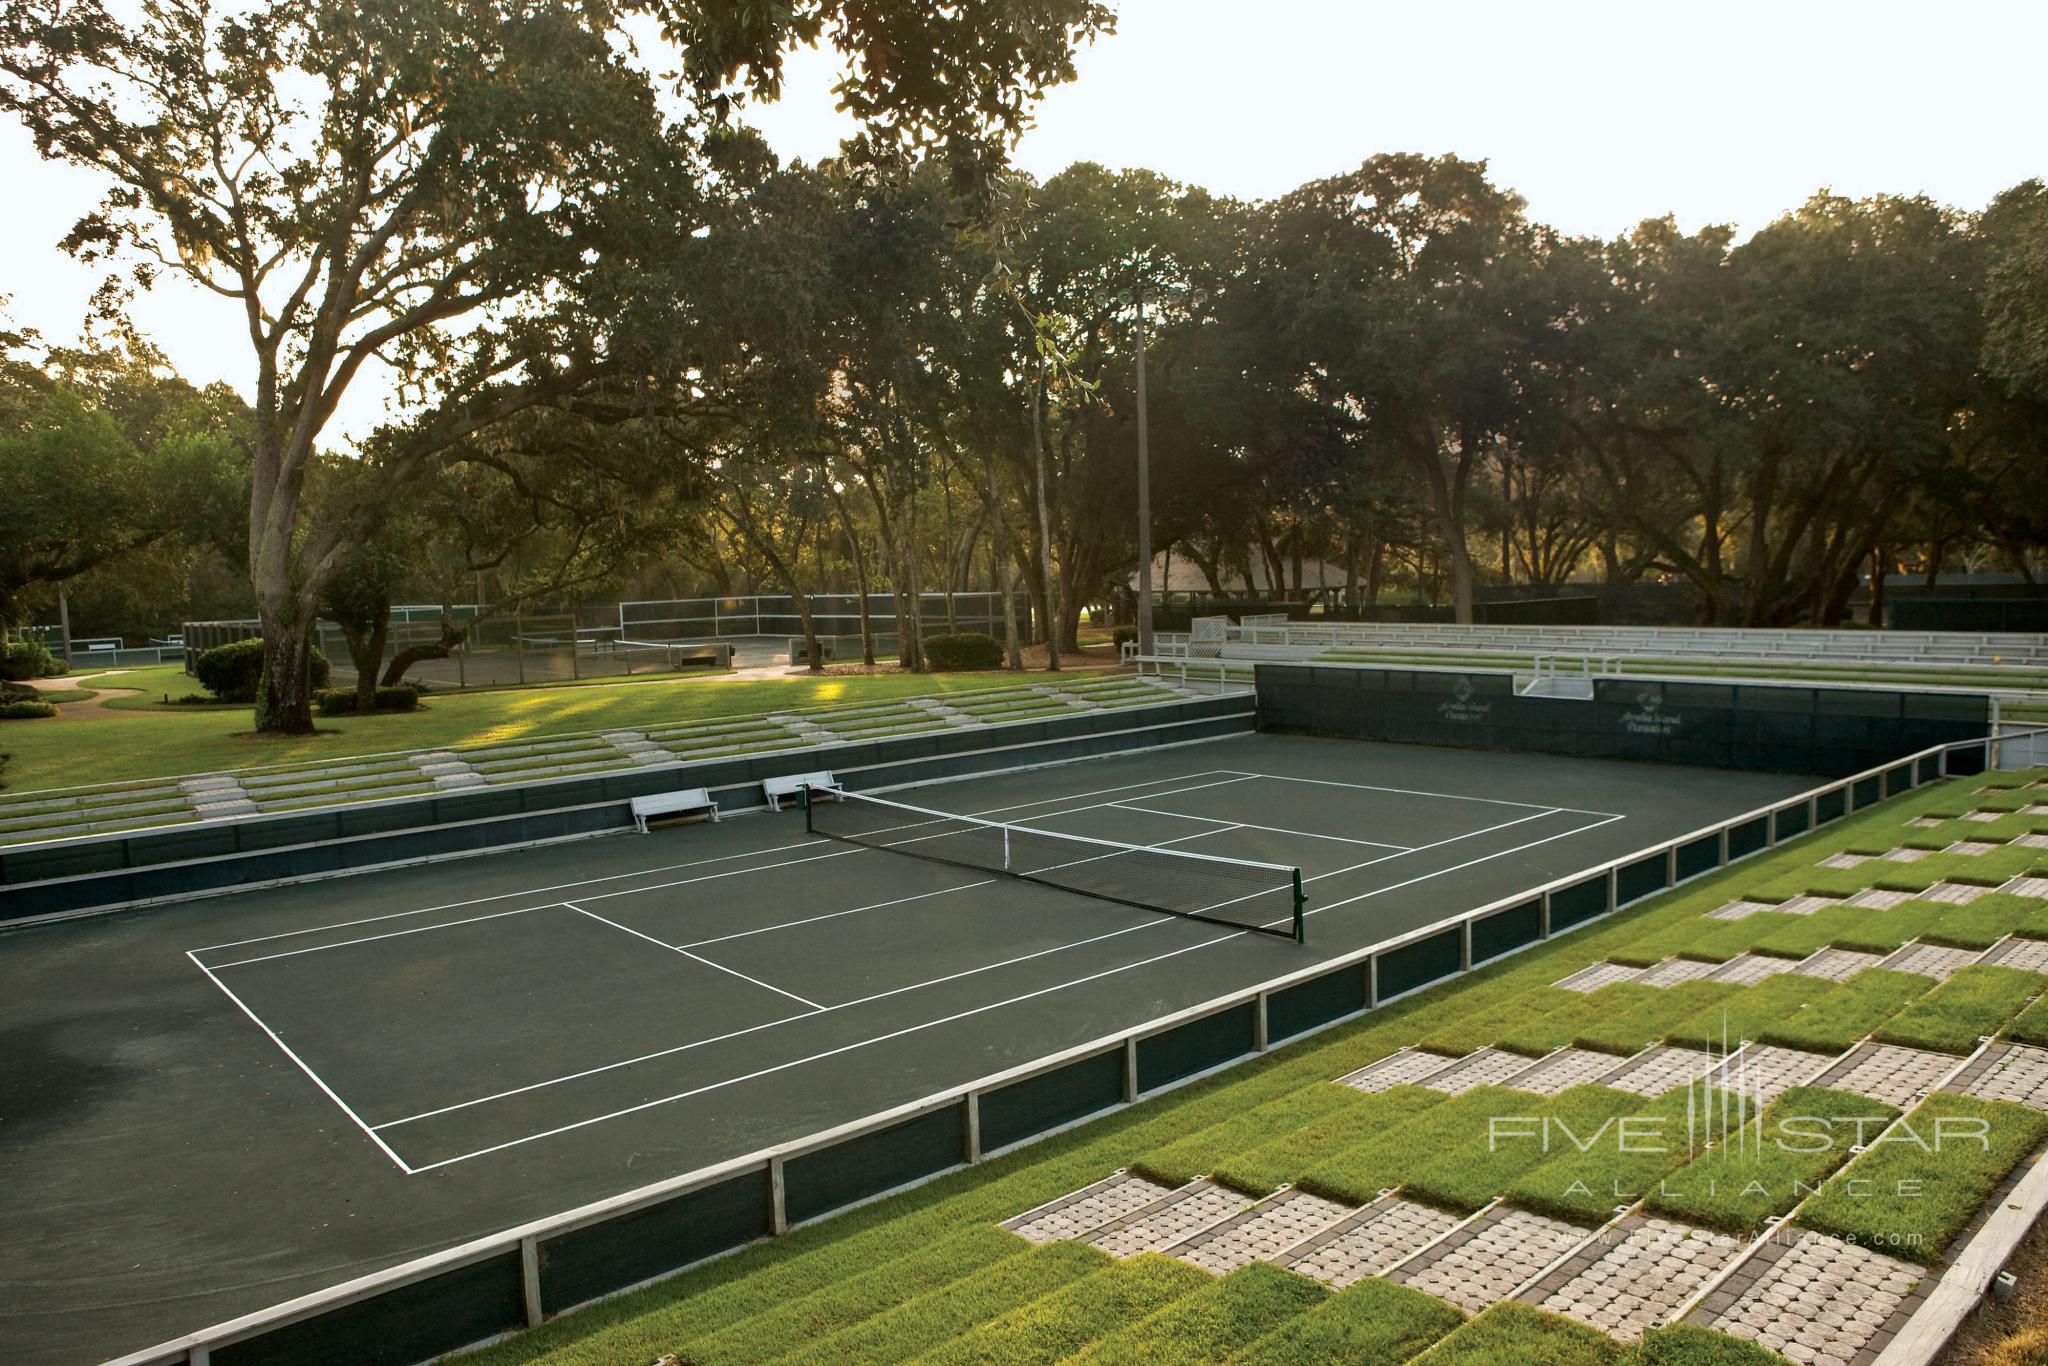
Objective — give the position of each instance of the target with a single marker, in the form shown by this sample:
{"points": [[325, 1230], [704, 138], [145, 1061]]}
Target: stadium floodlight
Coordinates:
{"points": [[1137, 297]]}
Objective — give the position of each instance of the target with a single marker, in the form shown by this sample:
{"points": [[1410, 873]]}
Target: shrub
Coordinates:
{"points": [[1123, 635], [24, 711], [28, 658], [233, 671], [342, 701], [963, 650]]}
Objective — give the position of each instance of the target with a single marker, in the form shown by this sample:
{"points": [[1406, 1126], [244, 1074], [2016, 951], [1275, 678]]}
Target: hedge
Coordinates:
{"points": [[28, 658], [342, 701], [232, 672], [963, 650], [25, 711]]}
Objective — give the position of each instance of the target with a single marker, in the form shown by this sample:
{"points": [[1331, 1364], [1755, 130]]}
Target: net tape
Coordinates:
{"points": [[1241, 893]]}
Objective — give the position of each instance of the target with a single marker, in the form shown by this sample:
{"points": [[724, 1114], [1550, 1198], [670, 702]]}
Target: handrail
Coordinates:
{"points": [[524, 1238]]}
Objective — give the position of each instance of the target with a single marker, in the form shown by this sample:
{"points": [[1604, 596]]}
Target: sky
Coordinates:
{"points": [[1599, 114]]}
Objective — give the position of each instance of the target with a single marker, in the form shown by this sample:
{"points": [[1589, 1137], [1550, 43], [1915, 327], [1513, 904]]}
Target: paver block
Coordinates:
{"points": [[1905, 855], [1654, 1072], [1087, 1209], [1815, 1298], [1371, 1240], [1672, 971], [2029, 955], [1926, 822], [2027, 886], [1954, 893], [1599, 975], [1281, 1221], [1487, 1067], [1844, 860], [1879, 898], [1750, 968], [1739, 910], [1564, 1069], [1838, 965], [1888, 1072], [1406, 1068], [2006, 1071], [1765, 1072], [1970, 848], [2031, 841], [1931, 960], [1986, 816], [1489, 1258], [1170, 1220], [1807, 905], [1634, 1276], [2035, 809]]}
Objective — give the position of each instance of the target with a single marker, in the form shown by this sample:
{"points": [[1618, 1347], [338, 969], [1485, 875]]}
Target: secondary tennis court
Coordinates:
{"points": [[261, 1094]]}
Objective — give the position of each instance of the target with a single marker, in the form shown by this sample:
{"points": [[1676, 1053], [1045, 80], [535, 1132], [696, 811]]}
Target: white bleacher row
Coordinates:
{"points": [[1885, 648]]}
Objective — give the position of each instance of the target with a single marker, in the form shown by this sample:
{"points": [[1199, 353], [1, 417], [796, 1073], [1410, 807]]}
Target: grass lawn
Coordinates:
{"points": [[1516, 1335], [1972, 1004], [1936, 1168], [1773, 1163], [1586, 1181], [1222, 1316], [159, 741], [1376, 1321], [1847, 1013]]}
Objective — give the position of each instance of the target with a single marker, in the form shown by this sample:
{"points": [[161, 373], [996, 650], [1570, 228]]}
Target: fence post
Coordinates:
{"points": [[1260, 1035], [1131, 1070], [1671, 866], [971, 1139], [529, 1279], [1543, 916], [778, 1205], [1465, 946], [1372, 982], [1613, 890]]}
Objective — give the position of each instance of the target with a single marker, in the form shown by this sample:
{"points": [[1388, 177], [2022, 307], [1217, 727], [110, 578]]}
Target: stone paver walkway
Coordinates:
{"points": [[1815, 1298], [1376, 1237], [2027, 886], [1406, 1068], [1564, 1069], [1281, 1221], [1750, 968], [1764, 1072], [1599, 975], [1635, 1275], [1488, 1259], [2007, 1071], [2030, 955], [1086, 1209], [1657, 1071], [1172, 1220], [1954, 893], [1838, 965], [1879, 898], [1741, 910], [1672, 971], [1931, 960], [1888, 1072], [1487, 1067]]}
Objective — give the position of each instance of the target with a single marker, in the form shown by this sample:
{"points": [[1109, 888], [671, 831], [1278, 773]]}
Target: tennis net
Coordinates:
{"points": [[1264, 897]]}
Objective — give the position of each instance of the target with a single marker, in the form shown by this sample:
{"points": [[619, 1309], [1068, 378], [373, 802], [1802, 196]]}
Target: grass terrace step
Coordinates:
{"points": [[1471, 1169], [96, 827], [1072, 1318], [1954, 1177], [1516, 1335], [1746, 1014], [1374, 1321], [1683, 1344], [1211, 1149], [1975, 1003], [1486, 1028], [1359, 1119], [420, 789], [1216, 1319], [1357, 1175], [1586, 1186], [936, 1316], [1772, 1163], [1838, 1019], [17, 807], [92, 814]]}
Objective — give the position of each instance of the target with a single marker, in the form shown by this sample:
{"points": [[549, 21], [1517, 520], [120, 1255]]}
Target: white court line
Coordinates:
{"points": [[1412, 792], [807, 843], [695, 958], [1270, 829], [300, 1062], [950, 1019], [936, 981]]}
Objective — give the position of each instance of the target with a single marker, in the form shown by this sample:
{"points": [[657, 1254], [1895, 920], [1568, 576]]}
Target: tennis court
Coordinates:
{"points": [[265, 1092]]}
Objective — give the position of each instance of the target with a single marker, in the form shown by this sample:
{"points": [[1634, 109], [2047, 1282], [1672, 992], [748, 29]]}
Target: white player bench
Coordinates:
{"points": [[777, 789], [682, 802]]}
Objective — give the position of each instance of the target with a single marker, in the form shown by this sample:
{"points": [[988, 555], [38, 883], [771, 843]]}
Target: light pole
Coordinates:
{"points": [[1174, 294]]}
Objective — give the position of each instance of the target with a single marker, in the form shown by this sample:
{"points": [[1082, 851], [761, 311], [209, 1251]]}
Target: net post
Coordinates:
{"points": [[1300, 920], [803, 797]]}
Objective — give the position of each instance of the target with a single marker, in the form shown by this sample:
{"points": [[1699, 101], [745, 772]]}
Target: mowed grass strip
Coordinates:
{"points": [[1358, 1174], [1516, 1335], [1215, 1320], [1484, 1028], [1628, 1031], [1923, 1181], [1358, 1120], [2031, 1026], [1072, 1318], [1372, 1321], [1748, 1012], [1985, 921], [1556, 1028], [1585, 1182], [1974, 1003], [1201, 1153], [1772, 1163], [1474, 1168], [1848, 1013], [937, 1316], [1683, 1344], [829, 1308]]}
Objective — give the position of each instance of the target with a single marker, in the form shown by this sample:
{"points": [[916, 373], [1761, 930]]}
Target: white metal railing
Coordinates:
{"points": [[525, 1240]]}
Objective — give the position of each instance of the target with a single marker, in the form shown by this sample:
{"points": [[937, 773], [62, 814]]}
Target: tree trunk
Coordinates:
{"points": [[366, 652], [284, 698], [1051, 593]]}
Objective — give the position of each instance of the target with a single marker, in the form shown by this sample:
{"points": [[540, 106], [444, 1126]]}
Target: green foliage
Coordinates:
{"points": [[25, 711], [1516, 1335], [1919, 1185], [342, 701], [1773, 1162], [27, 657], [1069, 1319], [234, 671], [1372, 1321], [963, 650], [1968, 1006], [1123, 635], [1217, 1319], [1683, 1344]]}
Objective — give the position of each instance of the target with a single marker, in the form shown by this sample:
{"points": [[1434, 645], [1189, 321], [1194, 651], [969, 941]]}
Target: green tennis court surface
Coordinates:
{"points": [[233, 1101]]}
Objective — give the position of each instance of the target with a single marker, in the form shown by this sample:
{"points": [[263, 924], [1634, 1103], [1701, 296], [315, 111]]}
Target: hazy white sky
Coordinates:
{"points": [[1600, 114]]}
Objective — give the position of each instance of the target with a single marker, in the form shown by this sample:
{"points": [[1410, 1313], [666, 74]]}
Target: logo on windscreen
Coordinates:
{"points": [[1462, 706], [1648, 716]]}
